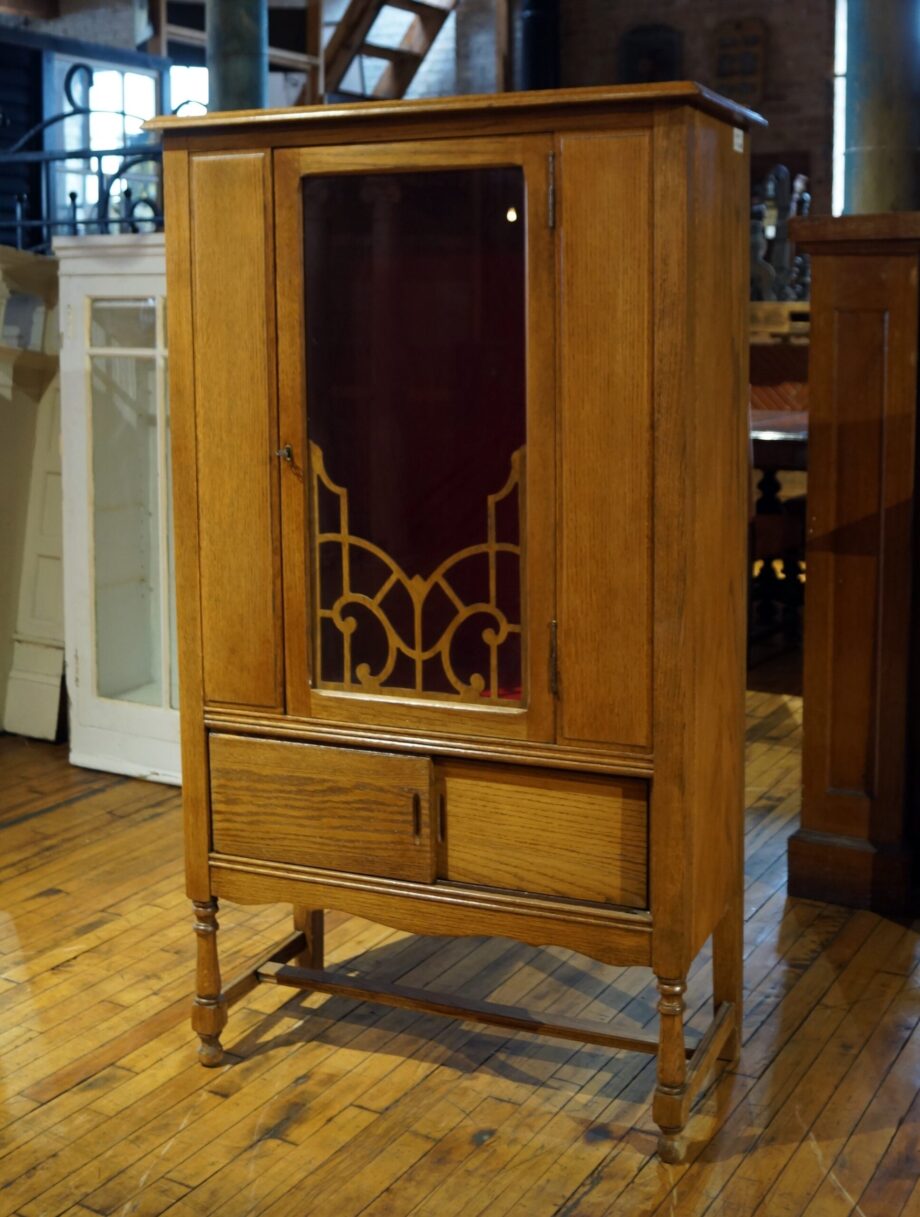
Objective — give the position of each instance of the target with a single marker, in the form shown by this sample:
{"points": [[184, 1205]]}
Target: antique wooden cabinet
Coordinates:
{"points": [[459, 437]]}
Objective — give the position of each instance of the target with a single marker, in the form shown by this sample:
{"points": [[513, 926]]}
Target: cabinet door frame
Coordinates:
{"points": [[536, 720]]}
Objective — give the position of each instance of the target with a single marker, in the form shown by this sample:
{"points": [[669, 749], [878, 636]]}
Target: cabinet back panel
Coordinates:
{"points": [[605, 439], [535, 831], [234, 403]]}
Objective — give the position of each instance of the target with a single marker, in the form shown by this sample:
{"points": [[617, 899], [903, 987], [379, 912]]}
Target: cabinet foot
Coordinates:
{"points": [[209, 1009], [210, 1051], [670, 1147]]}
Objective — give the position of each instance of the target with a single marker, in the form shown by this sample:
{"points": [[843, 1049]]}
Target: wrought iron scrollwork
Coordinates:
{"points": [[339, 602], [114, 210]]}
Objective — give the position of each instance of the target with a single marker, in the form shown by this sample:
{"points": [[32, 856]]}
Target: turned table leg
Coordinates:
{"points": [[669, 1104], [209, 1010], [310, 923]]}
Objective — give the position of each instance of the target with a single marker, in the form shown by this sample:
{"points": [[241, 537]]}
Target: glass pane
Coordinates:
{"points": [[140, 101], [126, 529], [173, 631], [123, 323], [24, 321], [416, 392]]}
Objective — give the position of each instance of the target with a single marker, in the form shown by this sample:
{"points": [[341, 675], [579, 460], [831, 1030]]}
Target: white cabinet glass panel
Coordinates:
{"points": [[118, 569], [132, 583], [126, 526]]}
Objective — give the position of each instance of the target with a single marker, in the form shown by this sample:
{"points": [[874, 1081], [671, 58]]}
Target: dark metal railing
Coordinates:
{"points": [[118, 206]]}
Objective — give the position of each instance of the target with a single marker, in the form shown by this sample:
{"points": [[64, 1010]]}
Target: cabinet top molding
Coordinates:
{"points": [[444, 108], [817, 232]]}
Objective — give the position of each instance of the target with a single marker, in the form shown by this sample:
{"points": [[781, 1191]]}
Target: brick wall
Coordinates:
{"points": [[106, 22], [798, 90]]}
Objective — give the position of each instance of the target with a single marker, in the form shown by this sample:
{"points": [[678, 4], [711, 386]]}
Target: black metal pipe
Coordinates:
{"points": [[237, 54]]}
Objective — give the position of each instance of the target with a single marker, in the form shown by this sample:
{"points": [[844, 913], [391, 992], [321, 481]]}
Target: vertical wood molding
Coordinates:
{"points": [[235, 407]]}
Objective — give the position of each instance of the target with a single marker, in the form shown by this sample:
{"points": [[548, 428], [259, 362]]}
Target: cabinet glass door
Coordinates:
{"points": [[416, 304]]}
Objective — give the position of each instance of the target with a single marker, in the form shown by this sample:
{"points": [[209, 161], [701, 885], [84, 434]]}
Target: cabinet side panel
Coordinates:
{"points": [[237, 425], [862, 443], [185, 517], [605, 439], [716, 536]]}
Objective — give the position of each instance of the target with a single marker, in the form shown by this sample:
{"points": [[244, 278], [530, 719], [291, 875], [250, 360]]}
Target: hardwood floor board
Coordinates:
{"points": [[799, 1180], [296, 1065], [334, 1107], [793, 1121], [851, 1172], [521, 1084]]}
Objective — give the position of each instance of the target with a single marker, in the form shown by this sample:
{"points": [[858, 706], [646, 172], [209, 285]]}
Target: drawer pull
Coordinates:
{"points": [[417, 816]]}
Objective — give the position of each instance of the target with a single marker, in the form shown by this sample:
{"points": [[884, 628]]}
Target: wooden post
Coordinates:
{"points": [[859, 777], [310, 924], [209, 1011], [669, 1103]]}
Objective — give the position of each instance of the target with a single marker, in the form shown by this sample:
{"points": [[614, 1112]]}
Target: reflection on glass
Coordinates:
{"points": [[416, 389], [123, 323], [173, 632], [23, 321], [126, 529]]}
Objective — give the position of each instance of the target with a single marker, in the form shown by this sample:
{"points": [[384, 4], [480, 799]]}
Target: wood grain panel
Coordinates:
{"points": [[715, 545], [237, 425], [332, 808], [854, 845], [185, 522], [542, 832], [604, 460]]}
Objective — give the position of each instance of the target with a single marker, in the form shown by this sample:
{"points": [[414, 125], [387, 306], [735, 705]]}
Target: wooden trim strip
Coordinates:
{"points": [[680, 92], [613, 935], [615, 762], [513, 1018]]}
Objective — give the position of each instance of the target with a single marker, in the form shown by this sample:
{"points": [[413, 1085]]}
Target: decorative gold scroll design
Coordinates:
{"points": [[479, 687]]}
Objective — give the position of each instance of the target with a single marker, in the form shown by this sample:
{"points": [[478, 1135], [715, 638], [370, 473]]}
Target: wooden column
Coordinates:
{"points": [[237, 54], [854, 846], [883, 106]]}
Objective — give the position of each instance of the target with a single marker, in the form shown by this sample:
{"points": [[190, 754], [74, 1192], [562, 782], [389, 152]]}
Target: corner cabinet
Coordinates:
{"points": [[459, 440]]}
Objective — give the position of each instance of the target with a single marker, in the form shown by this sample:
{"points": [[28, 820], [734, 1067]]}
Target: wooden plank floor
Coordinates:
{"points": [[331, 1108]]}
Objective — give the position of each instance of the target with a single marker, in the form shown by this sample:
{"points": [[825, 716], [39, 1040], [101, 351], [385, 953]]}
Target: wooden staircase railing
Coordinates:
{"points": [[350, 42]]}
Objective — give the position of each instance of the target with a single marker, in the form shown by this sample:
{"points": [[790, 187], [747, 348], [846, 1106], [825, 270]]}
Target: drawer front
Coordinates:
{"points": [[583, 837], [332, 808]]}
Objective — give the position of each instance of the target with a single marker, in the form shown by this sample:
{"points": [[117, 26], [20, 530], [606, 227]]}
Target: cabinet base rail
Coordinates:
{"points": [[672, 1102]]}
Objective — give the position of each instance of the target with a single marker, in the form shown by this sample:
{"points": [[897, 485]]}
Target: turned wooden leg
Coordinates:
{"points": [[209, 1010], [669, 1104], [310, 923], [728, 972]]}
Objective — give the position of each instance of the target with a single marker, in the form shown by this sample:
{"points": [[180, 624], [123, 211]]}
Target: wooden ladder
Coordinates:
{"points": [[349, 44]]}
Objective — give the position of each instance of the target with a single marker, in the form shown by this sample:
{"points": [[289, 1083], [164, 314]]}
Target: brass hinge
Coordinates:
{"points": [[551, 191], [553, 659]]}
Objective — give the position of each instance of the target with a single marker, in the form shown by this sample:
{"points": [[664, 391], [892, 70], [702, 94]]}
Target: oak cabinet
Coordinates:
{"points": [[459, 425]]}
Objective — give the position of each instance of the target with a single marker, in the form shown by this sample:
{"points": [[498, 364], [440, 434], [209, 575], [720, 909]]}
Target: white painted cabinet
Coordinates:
{"points": [[118, 593]]}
